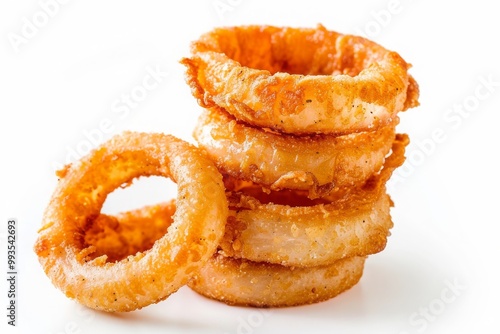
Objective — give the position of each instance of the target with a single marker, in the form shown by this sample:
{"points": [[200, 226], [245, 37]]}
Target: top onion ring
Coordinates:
{"points": [[146, 277], [300, 80]]}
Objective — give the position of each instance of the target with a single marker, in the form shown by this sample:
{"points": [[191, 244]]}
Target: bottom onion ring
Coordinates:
{"points": [[247, 283], [148, 276]]}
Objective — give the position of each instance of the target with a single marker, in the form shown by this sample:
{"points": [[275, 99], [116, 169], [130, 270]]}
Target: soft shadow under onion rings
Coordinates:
{"points": [[146, 277], [300, 80]]}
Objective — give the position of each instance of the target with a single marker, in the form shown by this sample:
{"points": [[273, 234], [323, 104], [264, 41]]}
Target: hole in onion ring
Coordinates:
{"points": [[275, 50], [118, 234], [140, 192]]}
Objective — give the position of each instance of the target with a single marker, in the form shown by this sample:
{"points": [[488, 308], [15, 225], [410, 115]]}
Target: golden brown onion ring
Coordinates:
{"points": [[300, 81], [146, 277], [306, 236], [288, 228], [318, 163], [247, 283]]}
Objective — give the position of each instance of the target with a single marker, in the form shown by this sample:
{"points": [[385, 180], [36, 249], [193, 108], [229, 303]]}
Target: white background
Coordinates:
{"points": [[64, 78]]}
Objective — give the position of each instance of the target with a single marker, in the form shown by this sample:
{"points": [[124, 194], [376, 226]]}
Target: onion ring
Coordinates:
{"points": [[318, 163], [300, 81], [302, 232], [146, 277], [307, 236], [247, 283]]}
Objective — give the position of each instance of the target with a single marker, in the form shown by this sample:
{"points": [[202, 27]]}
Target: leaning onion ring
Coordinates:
{"points": [[146, 277], [317, 163], [247, 283], [300, 80]]}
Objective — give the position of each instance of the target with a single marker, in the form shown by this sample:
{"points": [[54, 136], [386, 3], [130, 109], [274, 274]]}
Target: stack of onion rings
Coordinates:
{"points": [[302, 124], [280, 205], [269, 268]]}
